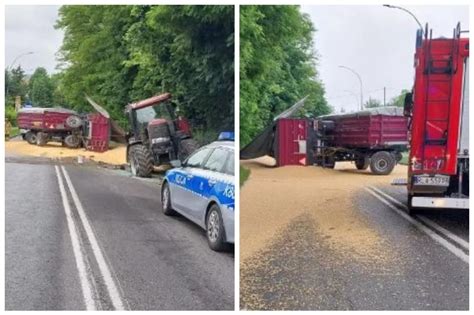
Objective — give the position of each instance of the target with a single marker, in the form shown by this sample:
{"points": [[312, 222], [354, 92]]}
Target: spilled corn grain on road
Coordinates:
{"points": [[322, 239]]}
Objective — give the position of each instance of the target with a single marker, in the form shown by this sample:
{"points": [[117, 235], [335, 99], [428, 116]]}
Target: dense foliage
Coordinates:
{"points": [[41, 88], [277, 66], [120, 54]]}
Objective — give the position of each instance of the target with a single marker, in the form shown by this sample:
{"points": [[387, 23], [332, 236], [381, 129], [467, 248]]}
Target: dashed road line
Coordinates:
{"points": [[86, 286], [432, 234], [99, 256]]}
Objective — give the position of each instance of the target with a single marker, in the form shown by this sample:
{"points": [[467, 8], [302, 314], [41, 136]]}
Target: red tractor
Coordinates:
{"points": [[157, 135], [438, 112]]}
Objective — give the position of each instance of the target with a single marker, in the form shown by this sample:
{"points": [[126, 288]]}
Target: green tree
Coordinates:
{"points": [[120, 54], [41, 88], [15, 85], [400, 99], [372, 103], [277, 66]]}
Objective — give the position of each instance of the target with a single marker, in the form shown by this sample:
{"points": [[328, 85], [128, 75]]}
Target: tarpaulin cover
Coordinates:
{"points": [[264, 143], [42, 110], [386, 111]]}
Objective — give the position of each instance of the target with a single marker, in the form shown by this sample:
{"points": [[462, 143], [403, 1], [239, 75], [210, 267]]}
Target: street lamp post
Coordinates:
{"points": [[360, 82], [18, 57], [407, 11]]}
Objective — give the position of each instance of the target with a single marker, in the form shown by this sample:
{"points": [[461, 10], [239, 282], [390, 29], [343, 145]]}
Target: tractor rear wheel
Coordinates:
{"points": [[362, 163], [30, 137], [72, 141], [186, 147], [141, 161], [41, 138], [382, 163]]}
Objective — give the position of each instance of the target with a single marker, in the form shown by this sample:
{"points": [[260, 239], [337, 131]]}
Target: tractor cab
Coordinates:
{"points": [[157, 135]]}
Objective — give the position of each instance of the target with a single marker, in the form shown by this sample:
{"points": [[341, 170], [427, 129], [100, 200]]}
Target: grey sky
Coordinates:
{"points": [[31, 28], [376, 42]]}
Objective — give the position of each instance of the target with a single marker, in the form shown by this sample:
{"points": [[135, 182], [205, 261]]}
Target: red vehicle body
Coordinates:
{"points": [[374, 138], [157, 135], [291, 136], [438, 111], [40, 125]]}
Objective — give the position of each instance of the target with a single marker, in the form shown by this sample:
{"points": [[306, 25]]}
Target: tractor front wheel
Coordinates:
{"points": [[141, 161]]}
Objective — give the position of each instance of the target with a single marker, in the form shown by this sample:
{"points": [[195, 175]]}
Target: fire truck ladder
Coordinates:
{"points": [[439, 70]]}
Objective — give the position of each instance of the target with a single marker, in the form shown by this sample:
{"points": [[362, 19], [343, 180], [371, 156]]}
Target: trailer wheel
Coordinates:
{"points": [[362, 163], [398, 156], [141, 161], [186, 147], [382, 163], [73, 121], [41, 138], [329, 162], [30, 137], [72, 141]]}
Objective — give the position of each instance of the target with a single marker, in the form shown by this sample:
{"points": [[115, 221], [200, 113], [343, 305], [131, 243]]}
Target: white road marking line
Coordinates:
{"points": [[428, 222], [76, 247], [104, 269], [433, 235]]}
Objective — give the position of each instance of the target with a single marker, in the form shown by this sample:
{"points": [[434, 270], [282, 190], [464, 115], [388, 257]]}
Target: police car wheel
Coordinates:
{"points": [[215, 229], [166, 200]]}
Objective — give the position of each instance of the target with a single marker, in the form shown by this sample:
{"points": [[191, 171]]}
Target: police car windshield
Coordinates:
{"points": [[197, 159], [147, 114], [216, 160]]}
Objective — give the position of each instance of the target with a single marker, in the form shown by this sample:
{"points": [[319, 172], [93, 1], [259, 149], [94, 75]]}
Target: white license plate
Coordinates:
{"points": [[432, 181]]}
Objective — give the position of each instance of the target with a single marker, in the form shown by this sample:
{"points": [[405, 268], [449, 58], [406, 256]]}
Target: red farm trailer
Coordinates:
{"points": [[374, 137], [41, 125], [438, 112]]}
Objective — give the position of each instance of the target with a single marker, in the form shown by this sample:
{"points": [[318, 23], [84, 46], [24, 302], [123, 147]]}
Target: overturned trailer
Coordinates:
{"points": [[373, 137], [42, 125]]}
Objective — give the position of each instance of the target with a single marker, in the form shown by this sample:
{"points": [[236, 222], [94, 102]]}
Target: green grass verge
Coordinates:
{"points": [[404, 160], [15, 131], [244, 175]]}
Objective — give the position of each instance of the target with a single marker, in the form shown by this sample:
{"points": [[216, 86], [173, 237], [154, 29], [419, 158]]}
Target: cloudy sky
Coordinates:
{"points": [[31, 29], [376, 42]]}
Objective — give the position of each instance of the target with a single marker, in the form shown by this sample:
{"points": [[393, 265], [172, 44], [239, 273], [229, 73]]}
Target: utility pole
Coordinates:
{"points": [[384, 94]]}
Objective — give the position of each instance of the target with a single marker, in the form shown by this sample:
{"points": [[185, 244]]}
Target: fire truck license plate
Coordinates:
{"points": [[432, 181]]}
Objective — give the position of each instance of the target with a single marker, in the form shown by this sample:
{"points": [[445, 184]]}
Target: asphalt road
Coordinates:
{"points": [[115, 250], [420, 262]]}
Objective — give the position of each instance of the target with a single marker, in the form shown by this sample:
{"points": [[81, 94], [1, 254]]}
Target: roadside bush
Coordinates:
{"points": [[10, 114]]}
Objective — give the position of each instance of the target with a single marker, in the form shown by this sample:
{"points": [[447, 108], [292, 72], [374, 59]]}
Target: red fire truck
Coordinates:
{"points": [[438, 113]]}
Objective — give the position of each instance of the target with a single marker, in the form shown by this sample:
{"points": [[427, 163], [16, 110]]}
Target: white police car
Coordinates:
{"points": [[202, 190]]}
